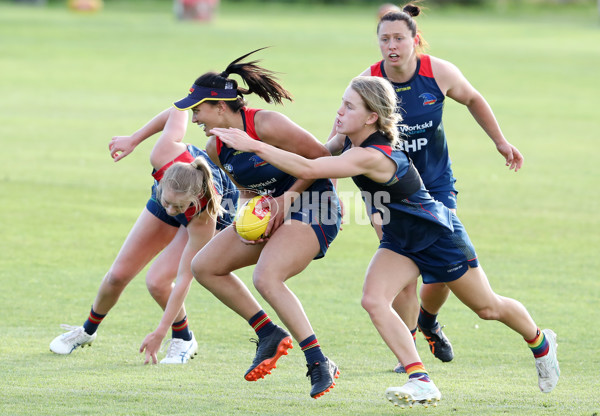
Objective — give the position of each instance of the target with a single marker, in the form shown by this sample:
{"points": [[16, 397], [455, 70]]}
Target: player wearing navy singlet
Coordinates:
{"points": [[421, 83], [254, 174], [421, 104], [191, 200], [217, 101], [421, 236], [222, 184]]}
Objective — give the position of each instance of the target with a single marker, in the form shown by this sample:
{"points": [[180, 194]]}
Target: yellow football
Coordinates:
{"points": [[251, 221]]}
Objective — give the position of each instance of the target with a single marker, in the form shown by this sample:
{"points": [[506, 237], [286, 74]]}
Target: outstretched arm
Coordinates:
{"points": [[356, 161], [200, 230], [170, 122], [458, 88]]}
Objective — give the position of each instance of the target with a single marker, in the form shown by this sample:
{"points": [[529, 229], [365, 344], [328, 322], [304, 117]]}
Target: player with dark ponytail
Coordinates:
{"points": [[310, 208]]}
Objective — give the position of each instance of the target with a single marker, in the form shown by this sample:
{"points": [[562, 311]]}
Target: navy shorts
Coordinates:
{"points": [[447, 198], [446, 260], [320, 208]]}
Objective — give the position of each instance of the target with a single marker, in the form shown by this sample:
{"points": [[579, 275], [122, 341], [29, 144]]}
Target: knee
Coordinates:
{"points": [[158, 287], [199, 269], [373, 304], [487, 313], [263, 283], [117, 280]]}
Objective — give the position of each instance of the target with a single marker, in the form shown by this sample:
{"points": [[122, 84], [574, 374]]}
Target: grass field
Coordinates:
{"points": [[69, 82]]}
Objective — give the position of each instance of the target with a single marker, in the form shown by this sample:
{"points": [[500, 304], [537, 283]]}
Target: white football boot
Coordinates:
{"points": [[180, 351], [547, 366], [67, 342], [414, 391]]}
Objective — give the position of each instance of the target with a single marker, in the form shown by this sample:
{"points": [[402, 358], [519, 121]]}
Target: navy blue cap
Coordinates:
{"points": [[200, 94]]}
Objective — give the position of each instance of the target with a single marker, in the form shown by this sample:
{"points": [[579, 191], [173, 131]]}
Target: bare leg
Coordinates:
{"points": [[406, 304], [148, 237], [213, 266], [286, 254], [387, 275], [163, 271], [474, 290], [433, 297]]}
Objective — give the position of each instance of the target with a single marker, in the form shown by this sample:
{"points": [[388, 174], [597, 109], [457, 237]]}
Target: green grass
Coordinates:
{"points": [[69, 82]]}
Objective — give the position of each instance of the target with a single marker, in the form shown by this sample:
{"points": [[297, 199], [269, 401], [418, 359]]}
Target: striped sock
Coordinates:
{"points": [[417, 370], [539, 345], [312, 350], [91, 325], [262, 324], [413, 332], [426, 320], [181, 330]]}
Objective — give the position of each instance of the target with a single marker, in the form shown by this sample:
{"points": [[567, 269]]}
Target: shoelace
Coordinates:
{"points": [[173, 344], [256, 357], [542, 370], [76, 332], [314, 376]]}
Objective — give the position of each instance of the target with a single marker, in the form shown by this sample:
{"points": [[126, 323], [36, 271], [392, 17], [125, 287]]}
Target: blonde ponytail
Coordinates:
{"points": [[213, 205], [195, 180]]}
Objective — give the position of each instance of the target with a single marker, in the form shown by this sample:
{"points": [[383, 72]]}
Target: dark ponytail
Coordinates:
{"points": [[260, 81]]}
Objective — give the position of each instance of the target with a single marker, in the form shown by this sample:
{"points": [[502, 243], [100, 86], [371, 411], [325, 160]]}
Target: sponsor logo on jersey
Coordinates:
{"points": [[428, 99], [262, 184], [415, 128], [237, 152], [258, 162], [228, 167], [413, 145], [401, 89]]}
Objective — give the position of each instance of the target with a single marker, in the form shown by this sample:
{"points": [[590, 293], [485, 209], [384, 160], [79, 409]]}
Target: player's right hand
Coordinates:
{"points": [[121, 146]]}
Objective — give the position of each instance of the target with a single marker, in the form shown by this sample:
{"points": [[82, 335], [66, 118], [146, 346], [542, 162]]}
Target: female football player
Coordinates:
{"points": [[191, 200], [422, 82], [311, 210], [421, 236]]}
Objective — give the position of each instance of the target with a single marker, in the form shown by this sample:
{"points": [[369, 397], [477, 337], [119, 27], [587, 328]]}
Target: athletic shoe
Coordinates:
{"points": [[414, 391], [399, 368], [547, 366], [268, 351], [65, 344], [438, 343], [322, 375], [180, 351]]}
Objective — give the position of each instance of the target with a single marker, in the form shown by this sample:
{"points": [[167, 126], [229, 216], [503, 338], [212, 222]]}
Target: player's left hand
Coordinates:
{"points": [[278, 208], [235, 138]]}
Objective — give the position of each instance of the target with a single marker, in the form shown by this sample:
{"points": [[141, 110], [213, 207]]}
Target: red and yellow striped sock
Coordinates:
{"points": [[262, 324], [181, 330]]}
